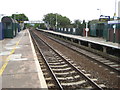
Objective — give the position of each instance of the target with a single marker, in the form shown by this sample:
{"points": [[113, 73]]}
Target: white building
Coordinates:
{"points": [[119, 9]]}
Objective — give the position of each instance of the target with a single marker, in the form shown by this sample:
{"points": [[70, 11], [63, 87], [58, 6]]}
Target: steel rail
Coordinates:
{"points": [[54, 76], [113, 69], [80, 72]]}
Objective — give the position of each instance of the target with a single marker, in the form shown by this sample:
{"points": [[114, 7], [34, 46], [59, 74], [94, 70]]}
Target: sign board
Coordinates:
{"points": [[87, 29], [114, 22], [104, 18], [114, 26]]}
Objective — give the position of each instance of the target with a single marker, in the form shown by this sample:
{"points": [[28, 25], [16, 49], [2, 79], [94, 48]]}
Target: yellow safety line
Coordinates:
{"points": [[8, 58]]}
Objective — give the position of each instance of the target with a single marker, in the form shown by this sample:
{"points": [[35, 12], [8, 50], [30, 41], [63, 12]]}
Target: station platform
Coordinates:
{"points": [[19, 66], [95, 40]]}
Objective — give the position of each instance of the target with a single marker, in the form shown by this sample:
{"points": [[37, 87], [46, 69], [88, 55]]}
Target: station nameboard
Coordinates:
{"points": [[114, 22], [104, 18]]}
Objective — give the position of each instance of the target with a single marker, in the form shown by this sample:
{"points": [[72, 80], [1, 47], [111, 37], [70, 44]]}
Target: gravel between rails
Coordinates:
{"points": [[105, 76]]}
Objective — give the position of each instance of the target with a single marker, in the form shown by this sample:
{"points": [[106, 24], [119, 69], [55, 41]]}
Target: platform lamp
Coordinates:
{"points": [[15, 15], [114, 26], [56, 22], [87, 29], [115, 17]]}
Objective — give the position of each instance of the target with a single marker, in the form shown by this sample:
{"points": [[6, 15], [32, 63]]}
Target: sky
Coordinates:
{"points": [[73, 9]]}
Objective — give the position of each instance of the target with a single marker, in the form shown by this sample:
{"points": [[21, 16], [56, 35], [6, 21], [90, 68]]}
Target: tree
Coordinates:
{"points": [[36, 25], [27, 25], [50, 19], [77, 24], [84, 24], [62, 21], [42, 26], [20, 17]]}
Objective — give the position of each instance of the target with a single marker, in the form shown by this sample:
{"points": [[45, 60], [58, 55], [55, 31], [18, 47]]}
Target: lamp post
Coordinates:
{"points": [[15, 15], [56, 21], [99, 10], [114, 26], [115, 17], [86, 29], [115, 10]]}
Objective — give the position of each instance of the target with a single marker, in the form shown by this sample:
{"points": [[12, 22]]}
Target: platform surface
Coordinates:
{"points": [[19, 66], [95, 40]]}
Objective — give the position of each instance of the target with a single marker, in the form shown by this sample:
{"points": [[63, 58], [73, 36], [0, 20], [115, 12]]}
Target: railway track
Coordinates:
{"points": [[65, 72], [110, 64]]}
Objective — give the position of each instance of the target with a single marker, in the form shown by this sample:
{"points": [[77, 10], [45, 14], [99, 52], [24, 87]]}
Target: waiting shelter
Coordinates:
{"points": [[10, 27]]}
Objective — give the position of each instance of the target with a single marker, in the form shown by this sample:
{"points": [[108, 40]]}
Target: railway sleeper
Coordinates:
{"points": [[69, 77], [115, 65], [82, 84], [74, 83], [71, 80], [62, 69], [109, 63], [105, 61], [118, 68], [57, 60], [44, 70], [65, 73], [63, 66], [45, 74], [42, 67], [56, 63], [48, 78], [50, 85]]}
